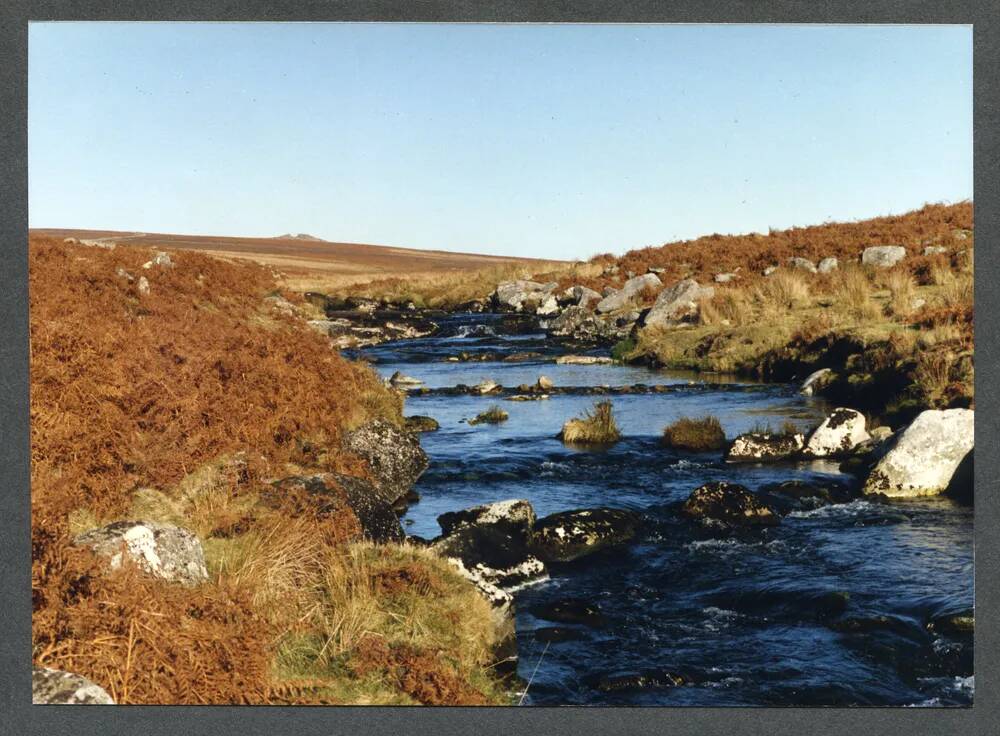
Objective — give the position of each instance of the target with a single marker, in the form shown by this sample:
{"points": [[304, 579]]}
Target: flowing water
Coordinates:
{"points": [[745, 619]]}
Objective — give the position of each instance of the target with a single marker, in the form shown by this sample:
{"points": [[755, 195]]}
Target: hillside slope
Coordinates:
{"points": [[174, 389]]}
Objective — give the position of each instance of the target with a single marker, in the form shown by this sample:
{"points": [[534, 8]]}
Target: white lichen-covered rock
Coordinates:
{"points": [[724, 278], [500, 599], [677, 302], [486, 386], [166, 551], [570, 535], [803, 264], [828, 264], [394, 456], [770, 270], [143, 285], [883, 256], [516, 295], [925, 456], [56, 687], [934, 250], [515, 512], [548, 306], [489, 545], [584, 297], [629, 292], [813, 380], [756, 447], [401, 379], [839, 433]]}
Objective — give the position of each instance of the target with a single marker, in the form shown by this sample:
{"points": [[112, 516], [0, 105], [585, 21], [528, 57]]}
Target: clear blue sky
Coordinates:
{"points": [[554, 141]]}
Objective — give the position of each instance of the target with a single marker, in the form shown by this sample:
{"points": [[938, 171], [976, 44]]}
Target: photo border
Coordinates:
{"points": [[15, 644]]}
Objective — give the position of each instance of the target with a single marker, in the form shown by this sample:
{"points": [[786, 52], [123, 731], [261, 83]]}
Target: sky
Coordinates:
{"points": [[556, 141]]}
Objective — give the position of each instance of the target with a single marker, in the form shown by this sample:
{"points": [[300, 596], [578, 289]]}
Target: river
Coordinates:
{"points": [[748, 619]]}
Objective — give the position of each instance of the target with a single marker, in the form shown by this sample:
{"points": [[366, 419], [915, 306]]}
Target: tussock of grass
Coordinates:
{"points": [[696, 435], [493, 415], [596, 427]]}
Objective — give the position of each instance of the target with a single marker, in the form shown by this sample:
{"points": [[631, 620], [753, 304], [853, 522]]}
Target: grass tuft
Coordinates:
{"points": [[696, 435], [493, 415], [596, 427]]}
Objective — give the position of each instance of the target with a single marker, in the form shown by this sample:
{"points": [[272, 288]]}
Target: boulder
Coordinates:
{"points": [[160, 259], [770, 270], [724, 278], [421, 423], [584, 297], [828, 264], [490, 543], [514, 515], [55, 687], [758, 447], [548, 306], [813, 381], [883, 256], [839, 434], [517, 295], [570, 535], [143, 286], [486, 386], [677, 303], [375, 511], [401, 379], [585, 325], [394, 456], [730, 503], [934, 250], [925, 456], [165, 551], [802, 264], [629, 293]]}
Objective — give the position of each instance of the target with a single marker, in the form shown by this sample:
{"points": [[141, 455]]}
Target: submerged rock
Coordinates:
{"points": [[56, 687], [647, 680], [883, 256], [570, 535], [953, 623], [925, 456], [421, 423], [839, 434], [677, 303], [571, 611], [759, 447], [730, 503], [800, 495], [164, 551], [394, 456], [556, 634], [584, 360]]}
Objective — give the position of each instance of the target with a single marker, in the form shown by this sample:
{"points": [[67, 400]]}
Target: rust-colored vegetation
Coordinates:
{"points": [[179, 405]]}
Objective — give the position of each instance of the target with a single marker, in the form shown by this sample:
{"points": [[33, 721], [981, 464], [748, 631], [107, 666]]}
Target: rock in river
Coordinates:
{"points": [[570, 535], [492, 543], [165, 551], [55, 687], [421, 423], [839, 433], [757, 447], [571, 611], [730, 503], [925, 456], [394, 456]]}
